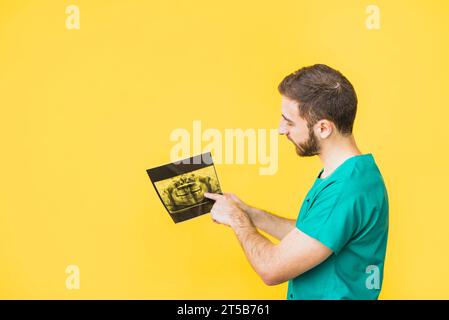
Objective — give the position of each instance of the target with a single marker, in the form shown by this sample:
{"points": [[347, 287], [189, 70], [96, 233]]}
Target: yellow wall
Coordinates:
{"points": [[85, 112]]}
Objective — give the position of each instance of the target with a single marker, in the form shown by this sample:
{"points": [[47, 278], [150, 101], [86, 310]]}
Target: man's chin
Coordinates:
{"points": [[300, 152]]}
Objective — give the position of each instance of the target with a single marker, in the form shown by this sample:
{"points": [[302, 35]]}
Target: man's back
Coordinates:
{"points": [[347, 212]]}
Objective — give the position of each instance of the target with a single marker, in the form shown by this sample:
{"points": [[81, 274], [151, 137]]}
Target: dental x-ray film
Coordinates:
{"points": [[181, 186]]}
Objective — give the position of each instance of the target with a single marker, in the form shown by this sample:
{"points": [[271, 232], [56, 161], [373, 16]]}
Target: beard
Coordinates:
{"points": [[310, 147]]}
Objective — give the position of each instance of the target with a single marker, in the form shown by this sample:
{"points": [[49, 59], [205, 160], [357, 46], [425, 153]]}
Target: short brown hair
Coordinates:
{"points": [[322, 93]]}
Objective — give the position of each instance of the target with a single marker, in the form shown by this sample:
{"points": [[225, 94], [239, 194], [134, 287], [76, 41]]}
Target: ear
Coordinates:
{"points": [[324, 128]]}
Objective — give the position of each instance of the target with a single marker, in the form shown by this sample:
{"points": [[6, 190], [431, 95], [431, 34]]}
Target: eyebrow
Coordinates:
{"points": [[286, 118]]}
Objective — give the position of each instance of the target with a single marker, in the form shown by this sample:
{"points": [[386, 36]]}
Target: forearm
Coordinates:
{"points": [[270, 223], [258, 249]]}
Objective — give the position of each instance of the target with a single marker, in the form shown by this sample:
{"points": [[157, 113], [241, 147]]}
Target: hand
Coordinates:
{"points": [[226, 210], [239, 202]]}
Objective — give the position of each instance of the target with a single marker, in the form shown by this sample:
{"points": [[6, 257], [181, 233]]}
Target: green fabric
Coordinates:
{"points": [[347, 212]]}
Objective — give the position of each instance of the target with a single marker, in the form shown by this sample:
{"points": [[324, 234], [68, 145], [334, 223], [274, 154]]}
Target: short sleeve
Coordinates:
{"points": [[331, 218]]}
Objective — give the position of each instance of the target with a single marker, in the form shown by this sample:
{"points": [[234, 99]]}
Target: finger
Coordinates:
{"points": [[213, 196], [234, 197], [213, 219]]}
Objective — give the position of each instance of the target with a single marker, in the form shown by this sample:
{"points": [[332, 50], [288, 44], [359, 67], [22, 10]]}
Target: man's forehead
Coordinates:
{"points": [[289, 107]]}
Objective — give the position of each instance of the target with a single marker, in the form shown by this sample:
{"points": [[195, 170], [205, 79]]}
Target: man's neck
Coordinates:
{"points": [[335, 152]]}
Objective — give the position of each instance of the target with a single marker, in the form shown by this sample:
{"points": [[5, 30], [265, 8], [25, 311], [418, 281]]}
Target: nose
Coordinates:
{"points": [[282, 128]]}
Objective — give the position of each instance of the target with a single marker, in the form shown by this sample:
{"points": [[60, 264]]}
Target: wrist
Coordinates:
{"points": [[241, 220], [244, 207]]}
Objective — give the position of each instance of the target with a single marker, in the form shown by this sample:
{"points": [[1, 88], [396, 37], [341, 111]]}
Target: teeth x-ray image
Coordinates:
{"points": [[181, 186]]}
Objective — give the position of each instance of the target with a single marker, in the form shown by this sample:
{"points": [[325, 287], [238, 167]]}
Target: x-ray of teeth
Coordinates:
{"points": [[181, 186]]}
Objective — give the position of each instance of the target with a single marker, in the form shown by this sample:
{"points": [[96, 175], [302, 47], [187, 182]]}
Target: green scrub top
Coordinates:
{"points": [[348, 213]]}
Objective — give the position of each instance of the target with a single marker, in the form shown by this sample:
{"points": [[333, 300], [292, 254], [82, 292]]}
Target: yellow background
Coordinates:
{"points": [[85, 112]]}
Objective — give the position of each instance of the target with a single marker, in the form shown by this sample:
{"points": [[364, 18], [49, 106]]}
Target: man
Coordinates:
{"points": [[336, 247]]}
